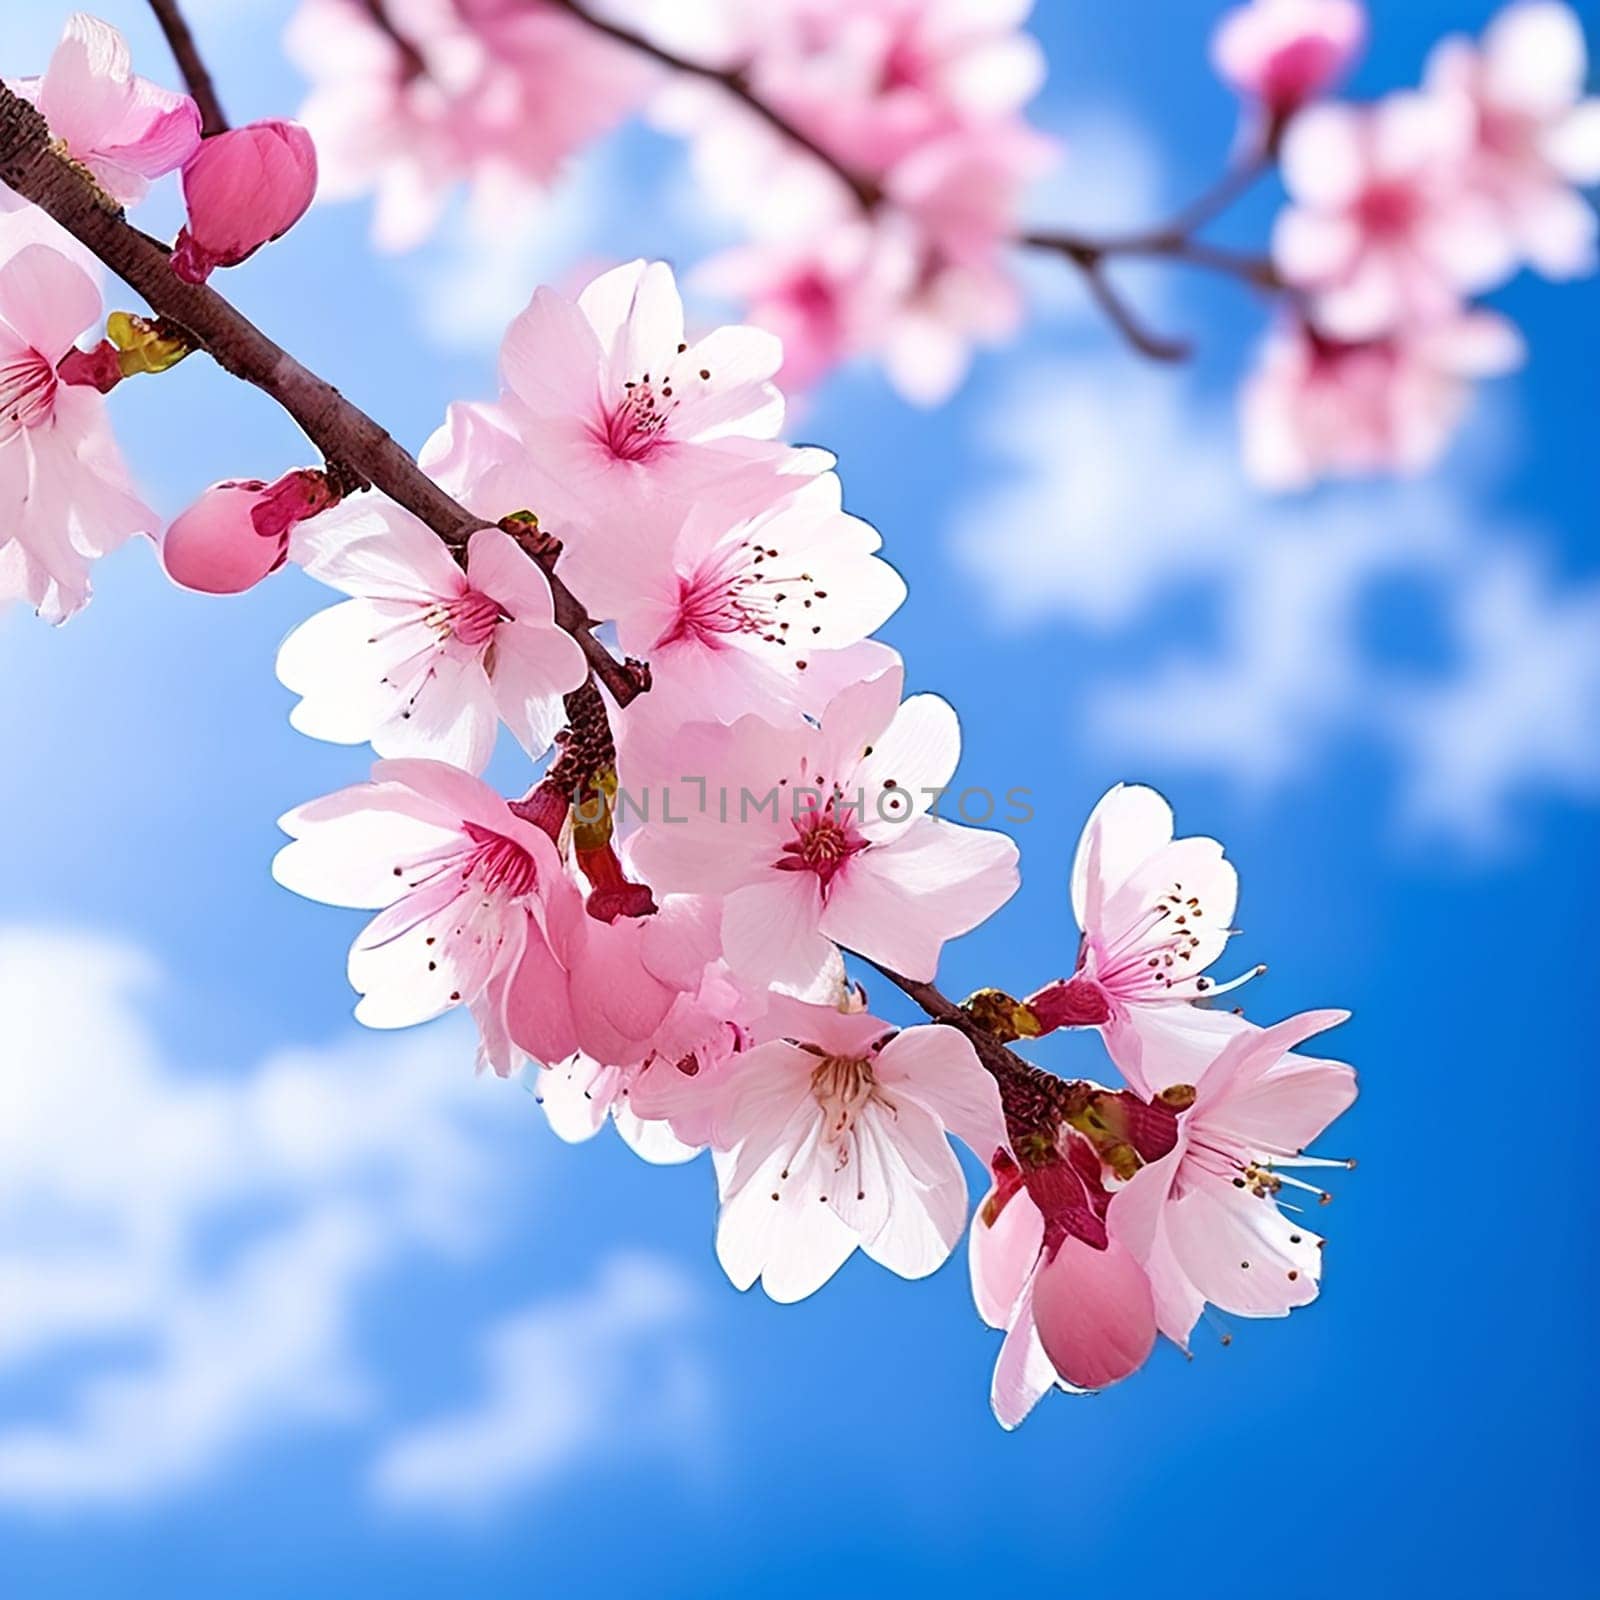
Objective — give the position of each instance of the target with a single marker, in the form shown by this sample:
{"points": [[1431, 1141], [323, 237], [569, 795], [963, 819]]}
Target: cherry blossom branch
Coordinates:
{"points": [[733, 81], [346, 436], [1173, 240], [1237, 180], [1028, 1093], [196, 76], [363, 452]]}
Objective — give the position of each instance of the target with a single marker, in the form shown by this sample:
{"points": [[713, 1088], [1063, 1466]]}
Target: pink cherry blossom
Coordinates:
{"points": [[467, 893], [65, 496], [243, 189], [876, 81], [124, 129], [834, 1135], [1155, 912], [627, 973], [953, 307], [493, 93], [616, 411], [827, 296], [1204, 1218], [824, 835], [661, 1089], [580, 1095], [1382, 231], [964, 192], [1317, 408], [425, 659], [1537, 138], [1282, 53], [724, 608]]}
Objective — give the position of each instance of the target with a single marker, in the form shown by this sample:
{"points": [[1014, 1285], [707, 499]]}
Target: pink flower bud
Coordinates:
{"points": [[1285, 52], [243, 189], [237, 532]]}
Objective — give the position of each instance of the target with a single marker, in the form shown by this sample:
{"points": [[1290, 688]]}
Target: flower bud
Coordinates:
{"points": [[243, 188], [1283, 53], [237, 532]]}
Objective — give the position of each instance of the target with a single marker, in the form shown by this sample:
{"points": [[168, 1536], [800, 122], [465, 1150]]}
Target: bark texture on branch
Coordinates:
{"points": [[346, 436]]}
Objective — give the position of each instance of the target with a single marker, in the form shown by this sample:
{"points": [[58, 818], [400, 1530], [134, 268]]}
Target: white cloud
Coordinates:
{"points": [[1118, 503], [1108, 489], [606, 1369], [1522, 712], [194, 1247], [1290, 668]]}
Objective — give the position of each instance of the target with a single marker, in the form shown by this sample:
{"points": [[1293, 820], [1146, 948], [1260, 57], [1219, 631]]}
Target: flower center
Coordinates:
{"points": [[843, 1087], [472, 618], [635, 428], [27, 393], [1218, 1151], [739, 592], [1157, 950], [496, 865], [1389, 208], [825, 838]]}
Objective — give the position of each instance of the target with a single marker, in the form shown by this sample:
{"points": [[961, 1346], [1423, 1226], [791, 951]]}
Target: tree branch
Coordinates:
{"points": [[1173, 240], [1029, 1094], [192, 65], [347, 437], [341, 431], [867, 193]]}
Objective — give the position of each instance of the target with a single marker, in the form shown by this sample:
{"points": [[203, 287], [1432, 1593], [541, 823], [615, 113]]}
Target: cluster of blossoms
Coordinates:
{"points": [[655, 931], [658, 926], [899, 249], [877, 153], [1400, 213], [412, 97]]}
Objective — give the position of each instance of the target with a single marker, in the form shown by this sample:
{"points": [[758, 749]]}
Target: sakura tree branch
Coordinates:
{"points": [[1236, 181], [363, 452], [196, 76], [345, 435], [1089, 259], [1173, 240], [867, 193], [1090, 254], [1026, 1090]]}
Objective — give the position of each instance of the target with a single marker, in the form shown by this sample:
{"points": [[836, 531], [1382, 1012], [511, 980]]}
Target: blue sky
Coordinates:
{"points": [[284, 1305]]}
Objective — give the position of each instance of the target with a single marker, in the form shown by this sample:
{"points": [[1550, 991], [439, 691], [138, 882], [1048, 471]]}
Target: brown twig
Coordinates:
{"points": [[342, 431], [734, 82], [1089, 259], [1029, 1095], [192, 65], [1238, 178], [1173, 240]]}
